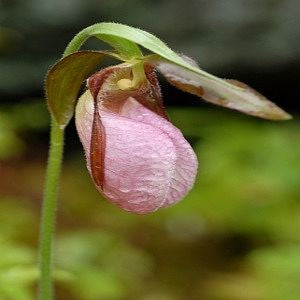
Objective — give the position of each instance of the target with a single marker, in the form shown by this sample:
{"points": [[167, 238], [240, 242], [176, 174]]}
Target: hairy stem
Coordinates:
{"points": [[49, 210], [48, 218]]}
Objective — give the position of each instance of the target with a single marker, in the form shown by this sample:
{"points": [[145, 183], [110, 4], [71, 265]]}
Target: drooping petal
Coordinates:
{"points": [[147, 163], [228, 93]]}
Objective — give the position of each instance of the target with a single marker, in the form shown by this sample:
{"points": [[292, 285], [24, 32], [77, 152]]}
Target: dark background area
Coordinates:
{"points": [[255, 41]]}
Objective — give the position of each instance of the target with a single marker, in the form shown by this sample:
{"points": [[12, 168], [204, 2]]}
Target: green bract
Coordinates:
{"points": [[65, 77], [64, 80]]}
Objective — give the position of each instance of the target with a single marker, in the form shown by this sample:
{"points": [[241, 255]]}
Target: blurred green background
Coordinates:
{"points": [[235, 236]]}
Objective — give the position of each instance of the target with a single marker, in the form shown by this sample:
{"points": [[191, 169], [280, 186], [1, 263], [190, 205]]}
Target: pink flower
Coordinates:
{"points": [[136, 157]]}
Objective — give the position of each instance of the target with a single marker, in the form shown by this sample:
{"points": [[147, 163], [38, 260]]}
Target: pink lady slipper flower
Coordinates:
{"points": [[136, 157]]}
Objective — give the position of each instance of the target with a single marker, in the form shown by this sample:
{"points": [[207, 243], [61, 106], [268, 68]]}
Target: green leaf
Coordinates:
{"points": [[64, 80], [125, 48], [116, 34], [182, 72], [115, 37], [124, 39], [135, 35]]}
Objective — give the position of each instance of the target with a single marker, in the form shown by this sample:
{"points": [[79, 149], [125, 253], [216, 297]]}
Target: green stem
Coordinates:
{"points": [[48, 218], [49, 210]]}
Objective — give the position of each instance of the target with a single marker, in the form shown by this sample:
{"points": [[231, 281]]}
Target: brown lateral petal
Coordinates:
{"points": [[97, 150], [228, 93], [97, 145], [96, 81], [154, 92]]}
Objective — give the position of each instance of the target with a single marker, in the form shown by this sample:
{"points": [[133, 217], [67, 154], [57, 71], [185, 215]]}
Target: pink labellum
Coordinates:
{"points": [[136, 157]]}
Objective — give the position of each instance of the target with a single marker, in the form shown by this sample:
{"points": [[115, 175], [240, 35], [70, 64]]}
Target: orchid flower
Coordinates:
{"points": [[136, 157]]}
